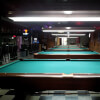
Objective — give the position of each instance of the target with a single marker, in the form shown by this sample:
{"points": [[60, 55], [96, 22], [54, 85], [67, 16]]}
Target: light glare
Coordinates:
{"points": [[54, 19], [69, 35], [67, 12], [68, 27], [89, 35], [68, 30]]}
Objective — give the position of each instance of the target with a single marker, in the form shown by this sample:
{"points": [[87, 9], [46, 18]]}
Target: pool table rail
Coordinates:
{"points": [[63, 49], [39, 82], [51, 75], [65, 56], [49, 81]]}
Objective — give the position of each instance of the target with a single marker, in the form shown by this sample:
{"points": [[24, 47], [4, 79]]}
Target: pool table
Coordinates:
{"points": [[68, 48], [67, 54], [51, 74]]}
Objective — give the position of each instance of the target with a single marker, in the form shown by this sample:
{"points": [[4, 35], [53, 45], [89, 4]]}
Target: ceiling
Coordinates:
{"points": [[40, 5], [53, 13], [29, 7]]}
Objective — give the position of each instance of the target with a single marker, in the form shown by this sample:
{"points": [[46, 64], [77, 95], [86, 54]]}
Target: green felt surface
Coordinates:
{"points": [[67, 52], [69, 48], [60, 66]]}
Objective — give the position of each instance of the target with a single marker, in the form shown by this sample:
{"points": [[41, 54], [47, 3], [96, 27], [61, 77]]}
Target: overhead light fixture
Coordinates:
{"points": [[92, 30], [60, 34], [67, 12], [53, 19], [89, 35], [68, 35], [68, 27], [77, 34]]}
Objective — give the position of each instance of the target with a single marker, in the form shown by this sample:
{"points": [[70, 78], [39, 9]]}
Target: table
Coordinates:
{"points": [[64, 46], [51, 74], [68, 48], [67, 54]]}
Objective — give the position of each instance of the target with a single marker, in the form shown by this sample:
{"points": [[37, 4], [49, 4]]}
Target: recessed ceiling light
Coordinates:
{"points": [[67, 12], [68, 27]]}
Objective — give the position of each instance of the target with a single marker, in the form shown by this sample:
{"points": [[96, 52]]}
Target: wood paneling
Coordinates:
{"points": [[95, 41]]}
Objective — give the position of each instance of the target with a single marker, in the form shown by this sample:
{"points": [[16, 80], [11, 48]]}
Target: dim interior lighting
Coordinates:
{"points": [[89, 35], [50, 26], [68, 27], [67, 12], [35, 39], [25, 30], [14, 36], [53, 19], [10, 12], [88, 30], [42, 28], [25, 33]]}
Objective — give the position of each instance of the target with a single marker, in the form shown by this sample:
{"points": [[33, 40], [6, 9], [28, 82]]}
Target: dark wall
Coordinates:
{"points": [[84, 40], [95, 41]]}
